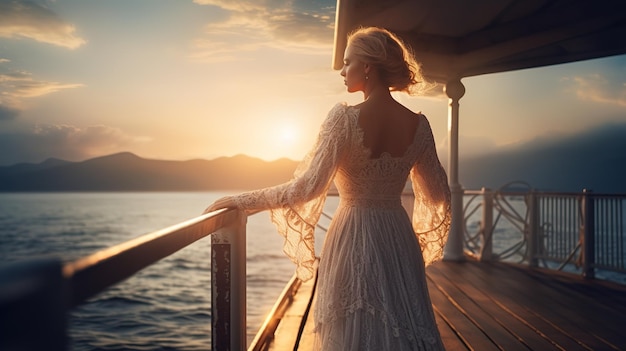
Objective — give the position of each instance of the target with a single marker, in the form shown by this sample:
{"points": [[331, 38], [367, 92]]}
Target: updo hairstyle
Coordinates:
{"points": [[389, 56]]}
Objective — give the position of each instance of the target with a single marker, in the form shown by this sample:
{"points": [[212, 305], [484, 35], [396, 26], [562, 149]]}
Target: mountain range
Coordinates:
{"points": [[128, 172], [595, 160]]}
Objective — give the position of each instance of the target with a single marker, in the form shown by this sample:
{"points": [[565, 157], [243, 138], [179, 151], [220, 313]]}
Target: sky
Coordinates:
{"points": [[182, 80]]}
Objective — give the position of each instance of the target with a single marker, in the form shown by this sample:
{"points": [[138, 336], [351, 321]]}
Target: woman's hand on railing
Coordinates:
{"points": [[225, 202]]}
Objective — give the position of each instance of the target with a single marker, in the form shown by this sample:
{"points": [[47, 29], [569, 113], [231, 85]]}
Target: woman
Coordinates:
{"points": [[372, 292]]}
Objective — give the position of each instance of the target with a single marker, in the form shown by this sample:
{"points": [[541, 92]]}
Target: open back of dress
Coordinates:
{"points": [[372, 292]]}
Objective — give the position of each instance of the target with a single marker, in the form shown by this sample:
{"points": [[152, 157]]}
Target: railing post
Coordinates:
{"points": [[33, 299], [228, 286], [533, 233], [486, 230], [588, 233]]}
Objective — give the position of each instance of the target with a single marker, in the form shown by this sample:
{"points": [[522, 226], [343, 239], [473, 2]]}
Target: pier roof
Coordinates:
{"points": [[460, 38]]}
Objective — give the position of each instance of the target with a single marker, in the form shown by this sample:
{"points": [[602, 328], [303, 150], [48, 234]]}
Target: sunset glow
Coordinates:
{"points": [[202, 79], [288, 135]]}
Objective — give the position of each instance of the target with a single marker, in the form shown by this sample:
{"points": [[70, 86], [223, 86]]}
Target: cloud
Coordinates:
{"points": [[26, 19], [26, 87], [241, 5], [253, 24], [469, 146], [302, 27], [16, 86], [63, 141], [8, 113], [597, 88]]}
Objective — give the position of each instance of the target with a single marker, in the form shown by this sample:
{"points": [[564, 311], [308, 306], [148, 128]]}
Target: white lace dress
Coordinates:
{"points": [[372, 292]]}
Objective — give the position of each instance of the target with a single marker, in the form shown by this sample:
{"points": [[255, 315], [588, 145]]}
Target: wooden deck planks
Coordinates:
{"points": [[288, 332], [460, 323], [503, 330], [526, 292], [523, 333], [450, 338], [497, 306], [307, 339]]}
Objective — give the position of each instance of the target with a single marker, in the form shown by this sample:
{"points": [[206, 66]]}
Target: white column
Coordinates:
{"points": [[454, 248]]}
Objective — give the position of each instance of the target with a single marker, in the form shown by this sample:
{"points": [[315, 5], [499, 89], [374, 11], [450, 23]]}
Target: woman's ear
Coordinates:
{"points": [[366, 68]]}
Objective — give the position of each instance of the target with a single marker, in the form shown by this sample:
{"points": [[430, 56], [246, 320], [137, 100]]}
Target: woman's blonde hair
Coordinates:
{"points": [[394, 61]]}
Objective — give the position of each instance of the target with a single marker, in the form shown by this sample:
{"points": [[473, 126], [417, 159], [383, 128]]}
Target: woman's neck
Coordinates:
{"points": [[378, 93]]}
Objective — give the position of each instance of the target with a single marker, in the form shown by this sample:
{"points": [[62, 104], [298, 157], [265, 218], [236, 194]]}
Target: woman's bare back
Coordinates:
{"points": [[388, 127]]}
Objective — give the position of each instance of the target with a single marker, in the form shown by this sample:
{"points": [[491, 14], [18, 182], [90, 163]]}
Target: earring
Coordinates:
{"points": [[367, 77]]}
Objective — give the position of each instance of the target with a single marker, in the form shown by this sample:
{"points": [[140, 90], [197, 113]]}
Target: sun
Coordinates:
{"points": [[281, 133], [287, 135]]}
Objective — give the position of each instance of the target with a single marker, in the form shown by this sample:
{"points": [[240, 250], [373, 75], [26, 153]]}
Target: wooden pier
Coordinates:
{"points": [[497, 306]]}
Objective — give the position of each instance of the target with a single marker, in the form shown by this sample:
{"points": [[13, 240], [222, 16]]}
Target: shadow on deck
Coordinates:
{"points": [[497, 306]]}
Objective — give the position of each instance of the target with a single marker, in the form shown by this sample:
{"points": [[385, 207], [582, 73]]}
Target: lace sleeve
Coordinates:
{"points": [[431, 210], [295, 206]]}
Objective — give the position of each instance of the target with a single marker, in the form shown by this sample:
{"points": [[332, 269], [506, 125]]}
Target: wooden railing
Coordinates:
{"points": [[36, 295]]}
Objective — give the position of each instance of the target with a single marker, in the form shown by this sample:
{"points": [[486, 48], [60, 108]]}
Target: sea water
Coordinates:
{"points": [[166, 306]]}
